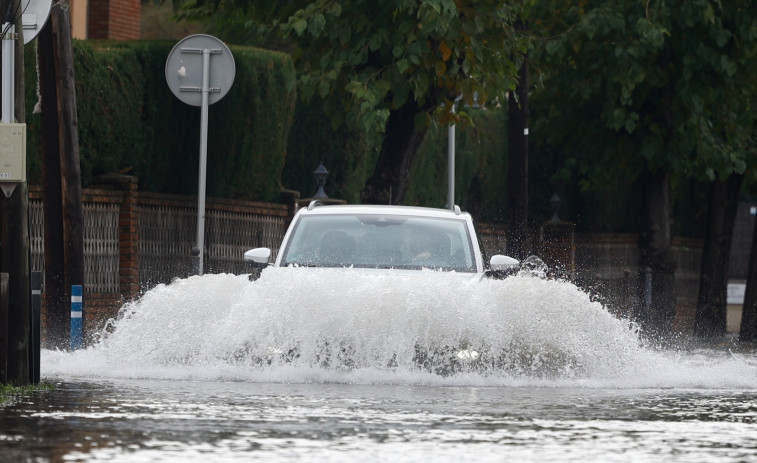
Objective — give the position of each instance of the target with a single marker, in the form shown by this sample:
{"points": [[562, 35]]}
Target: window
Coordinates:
{"points": [[380, 241]]}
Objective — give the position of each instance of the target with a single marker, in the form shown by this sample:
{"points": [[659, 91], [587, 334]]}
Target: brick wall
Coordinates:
{"points": [[114, 19]]}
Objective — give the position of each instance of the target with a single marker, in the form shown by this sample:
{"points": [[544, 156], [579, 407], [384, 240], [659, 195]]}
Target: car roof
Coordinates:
{"points": [[349, 209]]}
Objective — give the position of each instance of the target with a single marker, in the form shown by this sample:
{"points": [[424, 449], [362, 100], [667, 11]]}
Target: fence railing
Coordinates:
{"points": [[165, 232], [168, 233], [101, 244]]}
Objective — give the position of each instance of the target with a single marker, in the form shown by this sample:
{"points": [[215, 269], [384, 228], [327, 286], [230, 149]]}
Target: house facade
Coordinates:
{"points": [[106, 19]]}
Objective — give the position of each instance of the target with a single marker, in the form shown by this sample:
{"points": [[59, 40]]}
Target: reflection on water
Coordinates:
{"points": [[324, 366]]}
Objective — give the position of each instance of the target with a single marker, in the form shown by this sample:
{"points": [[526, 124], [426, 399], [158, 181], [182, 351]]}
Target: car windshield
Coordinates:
{"points": [[380, 241]]}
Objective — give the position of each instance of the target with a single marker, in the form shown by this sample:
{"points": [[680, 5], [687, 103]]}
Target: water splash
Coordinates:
{"points": [[335, 325]]}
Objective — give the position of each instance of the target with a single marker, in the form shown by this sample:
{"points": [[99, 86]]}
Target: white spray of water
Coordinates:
{"points": [[296, 325]]}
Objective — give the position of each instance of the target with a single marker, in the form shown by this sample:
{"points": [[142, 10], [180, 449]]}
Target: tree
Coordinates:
{"points": [[661, 90], [748, 331], [710, 321], [387, 66]]}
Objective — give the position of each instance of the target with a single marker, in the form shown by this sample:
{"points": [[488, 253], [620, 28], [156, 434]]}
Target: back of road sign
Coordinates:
{"points": [[184, 68]]}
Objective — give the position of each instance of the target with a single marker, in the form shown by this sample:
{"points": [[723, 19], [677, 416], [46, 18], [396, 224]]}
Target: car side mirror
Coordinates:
{"points": [[258, 256], [501, 267], [500, 263]]}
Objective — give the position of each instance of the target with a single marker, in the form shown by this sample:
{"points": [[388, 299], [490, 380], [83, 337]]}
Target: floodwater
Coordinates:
{"points": [[330, 366]]}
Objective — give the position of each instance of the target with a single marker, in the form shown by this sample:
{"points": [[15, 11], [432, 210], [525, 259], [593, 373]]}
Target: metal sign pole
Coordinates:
{"points": [[194, 81], [451, 164], [203, 157]]}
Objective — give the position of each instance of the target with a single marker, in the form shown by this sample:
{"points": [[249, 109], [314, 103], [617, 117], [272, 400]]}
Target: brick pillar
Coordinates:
{"points": [[128, 231], [128, 236], [558, 248]]}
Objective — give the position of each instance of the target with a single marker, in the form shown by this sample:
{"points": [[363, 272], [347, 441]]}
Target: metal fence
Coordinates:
{"points": [[166, 236], [36, 235], [230, 234], [168, 233], [101, 247], [101, 251]]}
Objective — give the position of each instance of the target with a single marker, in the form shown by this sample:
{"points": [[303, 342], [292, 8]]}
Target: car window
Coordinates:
{"points": [[380, 241]]}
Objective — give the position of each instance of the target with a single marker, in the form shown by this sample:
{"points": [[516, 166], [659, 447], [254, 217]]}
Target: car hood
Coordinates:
{"points": [[405, 273]]}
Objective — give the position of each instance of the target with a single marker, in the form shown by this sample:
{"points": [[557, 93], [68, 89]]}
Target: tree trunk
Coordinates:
{"points": [[655, 253], [723, 198], [748, 333], [388, 183], [57, 308], [518, 243]]}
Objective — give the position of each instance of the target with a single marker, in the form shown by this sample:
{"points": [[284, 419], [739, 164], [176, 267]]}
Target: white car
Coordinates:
{"points": [[383, 238]]}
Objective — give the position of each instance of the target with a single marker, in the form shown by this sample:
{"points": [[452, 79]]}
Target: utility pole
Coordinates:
{"points": [[14, 232], [61, 175]]}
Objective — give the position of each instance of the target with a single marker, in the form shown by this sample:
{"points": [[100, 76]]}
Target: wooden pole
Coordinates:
{"points": [[15, 261], [68, 135], [57, 308], [3, 328], [14, 253]]}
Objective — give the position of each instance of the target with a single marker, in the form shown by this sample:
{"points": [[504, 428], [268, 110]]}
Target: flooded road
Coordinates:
{"points": [[346, 368], [196, 421]]}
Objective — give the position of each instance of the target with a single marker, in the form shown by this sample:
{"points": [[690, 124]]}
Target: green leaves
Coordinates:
{"points": [[375, 56], [672, 82], [299, 26]]}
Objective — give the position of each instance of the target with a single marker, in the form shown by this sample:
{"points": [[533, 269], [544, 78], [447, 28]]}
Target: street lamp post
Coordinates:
{"points": [[451, 163]]}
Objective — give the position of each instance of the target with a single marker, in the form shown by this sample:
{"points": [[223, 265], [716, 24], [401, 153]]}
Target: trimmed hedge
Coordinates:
{"points": [[349, 156], [130, 122]]}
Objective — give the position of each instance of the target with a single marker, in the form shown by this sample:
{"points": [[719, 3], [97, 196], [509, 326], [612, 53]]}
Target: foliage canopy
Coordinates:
{"points": [[369, 58], [669, 84]]}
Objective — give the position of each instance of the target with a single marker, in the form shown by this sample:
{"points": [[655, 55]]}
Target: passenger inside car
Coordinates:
{"points": [[337, 249]]}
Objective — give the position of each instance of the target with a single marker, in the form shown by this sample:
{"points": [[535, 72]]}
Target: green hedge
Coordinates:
{"points": [[130, 122], [481, 162], [348, 156]]}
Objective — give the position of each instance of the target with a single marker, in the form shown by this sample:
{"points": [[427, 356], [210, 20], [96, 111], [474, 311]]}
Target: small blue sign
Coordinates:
{"points": [[76, 317]]}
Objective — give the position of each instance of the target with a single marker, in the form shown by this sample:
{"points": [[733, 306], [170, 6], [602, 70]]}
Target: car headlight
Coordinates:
{"points": [[467, 355]]}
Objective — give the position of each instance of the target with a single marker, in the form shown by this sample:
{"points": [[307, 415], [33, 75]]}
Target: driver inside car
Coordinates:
{"points": [[430, 250]]}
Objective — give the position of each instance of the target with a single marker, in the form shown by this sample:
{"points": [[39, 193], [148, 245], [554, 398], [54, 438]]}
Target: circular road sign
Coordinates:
{"points": [[184, 69]]}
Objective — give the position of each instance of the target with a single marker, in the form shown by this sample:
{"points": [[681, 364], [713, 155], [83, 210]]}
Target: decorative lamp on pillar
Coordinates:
{"points": [[321, 174]]}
